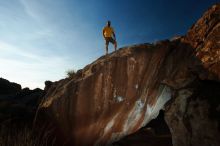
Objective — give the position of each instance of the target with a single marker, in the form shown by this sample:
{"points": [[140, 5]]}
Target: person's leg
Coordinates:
{"points": [[115, 44], [106, 46], [106, 49], [113, 41]]}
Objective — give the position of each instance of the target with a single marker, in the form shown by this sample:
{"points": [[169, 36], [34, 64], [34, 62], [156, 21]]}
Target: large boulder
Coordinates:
{"points": [[119, 93]]}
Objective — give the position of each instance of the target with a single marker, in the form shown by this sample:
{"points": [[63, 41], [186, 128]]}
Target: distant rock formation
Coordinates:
{"points": [[17, 103], [119, 93], [7, 87]]}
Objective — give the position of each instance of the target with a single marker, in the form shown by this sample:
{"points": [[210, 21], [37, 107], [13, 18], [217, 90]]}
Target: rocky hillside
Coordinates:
{"points": [[17, 111], [17, 103], [120, 93]]}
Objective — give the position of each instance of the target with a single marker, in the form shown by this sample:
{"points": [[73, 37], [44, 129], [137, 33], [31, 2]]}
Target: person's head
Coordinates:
{"points": [[109, 23]]}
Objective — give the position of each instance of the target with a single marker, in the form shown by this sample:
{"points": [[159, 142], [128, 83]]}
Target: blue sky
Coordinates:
{"points": [[42, 39]]}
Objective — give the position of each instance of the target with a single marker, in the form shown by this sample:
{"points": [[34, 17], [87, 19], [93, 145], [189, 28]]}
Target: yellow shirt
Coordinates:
{"points": [[108, 31]]}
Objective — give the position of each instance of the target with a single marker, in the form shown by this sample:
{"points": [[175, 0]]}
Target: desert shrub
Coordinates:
{"points": [[71, 73]]}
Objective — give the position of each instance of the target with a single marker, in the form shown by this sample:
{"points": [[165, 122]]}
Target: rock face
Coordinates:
{"points": [[194, 113], [119, 93], [204, 36], [156, 133]]}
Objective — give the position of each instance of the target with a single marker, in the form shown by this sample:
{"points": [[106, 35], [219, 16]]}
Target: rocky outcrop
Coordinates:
{"points": [[17, 103], [8, 88], [119, 93], [204, 37], [18, 126], [48, 84], [194, 114]]}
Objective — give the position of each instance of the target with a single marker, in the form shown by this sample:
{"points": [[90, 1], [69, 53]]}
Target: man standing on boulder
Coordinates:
{"points": [[107, 33]]}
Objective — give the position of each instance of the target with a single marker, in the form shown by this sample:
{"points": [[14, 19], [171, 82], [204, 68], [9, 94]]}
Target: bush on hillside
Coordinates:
{"points": [[70, 73]]}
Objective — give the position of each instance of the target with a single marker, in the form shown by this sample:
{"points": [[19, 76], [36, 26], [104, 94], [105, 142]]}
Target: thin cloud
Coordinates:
{"points": [[29, 10], [29, 69], [43, 43]]}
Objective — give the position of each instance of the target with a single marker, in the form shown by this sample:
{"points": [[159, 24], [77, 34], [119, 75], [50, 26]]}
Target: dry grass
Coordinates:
{"points": [[13, 135]]}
